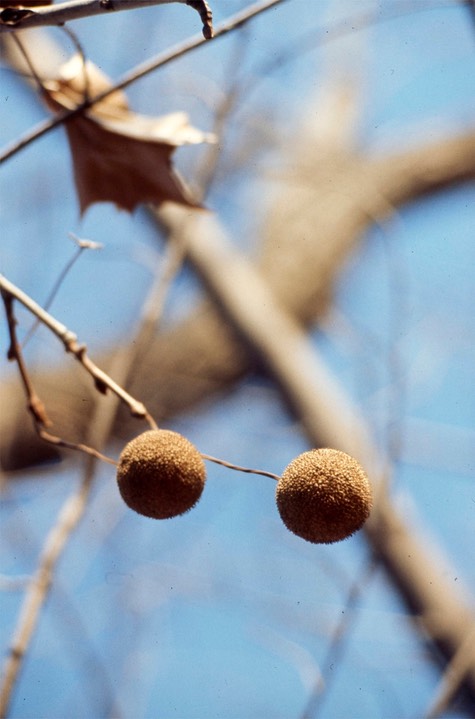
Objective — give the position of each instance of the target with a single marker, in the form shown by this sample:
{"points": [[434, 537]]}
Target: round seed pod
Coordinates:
{"points": [[160, 474], [324, 496]]}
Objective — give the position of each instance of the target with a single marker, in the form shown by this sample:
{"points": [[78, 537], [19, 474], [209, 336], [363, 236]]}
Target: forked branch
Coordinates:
{"points": [[70, 341], [36, 407]]}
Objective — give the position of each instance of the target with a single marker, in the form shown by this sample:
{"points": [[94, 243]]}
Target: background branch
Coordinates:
{"points": [[301, 275], [294, 282], [224, 352], [73, 509], [329, 419]]}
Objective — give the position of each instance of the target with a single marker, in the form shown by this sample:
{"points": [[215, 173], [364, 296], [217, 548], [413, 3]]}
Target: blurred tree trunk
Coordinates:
{"points": [[306, 243]]}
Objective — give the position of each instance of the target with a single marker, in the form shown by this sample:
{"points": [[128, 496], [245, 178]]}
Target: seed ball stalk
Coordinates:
{"points": [[160, 474], [324, 496]]}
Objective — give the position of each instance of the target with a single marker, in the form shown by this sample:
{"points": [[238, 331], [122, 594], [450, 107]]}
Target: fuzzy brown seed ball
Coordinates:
{"points": [[324, 496], [160, 474]]}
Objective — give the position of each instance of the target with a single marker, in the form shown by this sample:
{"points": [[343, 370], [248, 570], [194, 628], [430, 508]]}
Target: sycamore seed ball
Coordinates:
{"points": [[160, 474], [324, 496]]}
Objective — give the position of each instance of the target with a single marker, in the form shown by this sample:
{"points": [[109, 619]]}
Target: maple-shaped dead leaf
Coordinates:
{"points": [[119, 156]]}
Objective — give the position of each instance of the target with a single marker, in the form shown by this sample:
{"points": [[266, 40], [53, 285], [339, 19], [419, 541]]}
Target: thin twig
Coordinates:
{"points": [[206, 172], [81, 245], [70, 341], [35, 404], [154, 308], [234, 22], [14, 18], [339, 639], [56, 540], [27, 60], [75, 506], [67, 520], [204, 11], [246, 470], [82, 54], [77, 446]]}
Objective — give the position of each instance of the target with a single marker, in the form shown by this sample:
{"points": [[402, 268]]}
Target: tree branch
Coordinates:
{"points": [[72, 511], [329, 419], [233, 23], [301, 274], [102, 380], [22, 18]]}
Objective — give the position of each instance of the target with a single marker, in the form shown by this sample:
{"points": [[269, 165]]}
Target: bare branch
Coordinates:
{"points": [[340, 635], [101, 379], [234, 22], [278, 339], [67, 520], [21, 18], [300, 273], [246, 470], [329, 419], [153, 308], [35, 404], [100, 428], [81, 245]]}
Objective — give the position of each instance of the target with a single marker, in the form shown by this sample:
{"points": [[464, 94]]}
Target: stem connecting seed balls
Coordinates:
{"points": [[160, 474], [324, 496]]}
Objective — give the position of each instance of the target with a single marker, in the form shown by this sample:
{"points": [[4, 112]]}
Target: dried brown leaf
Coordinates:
{"points": [[119, 156]]}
